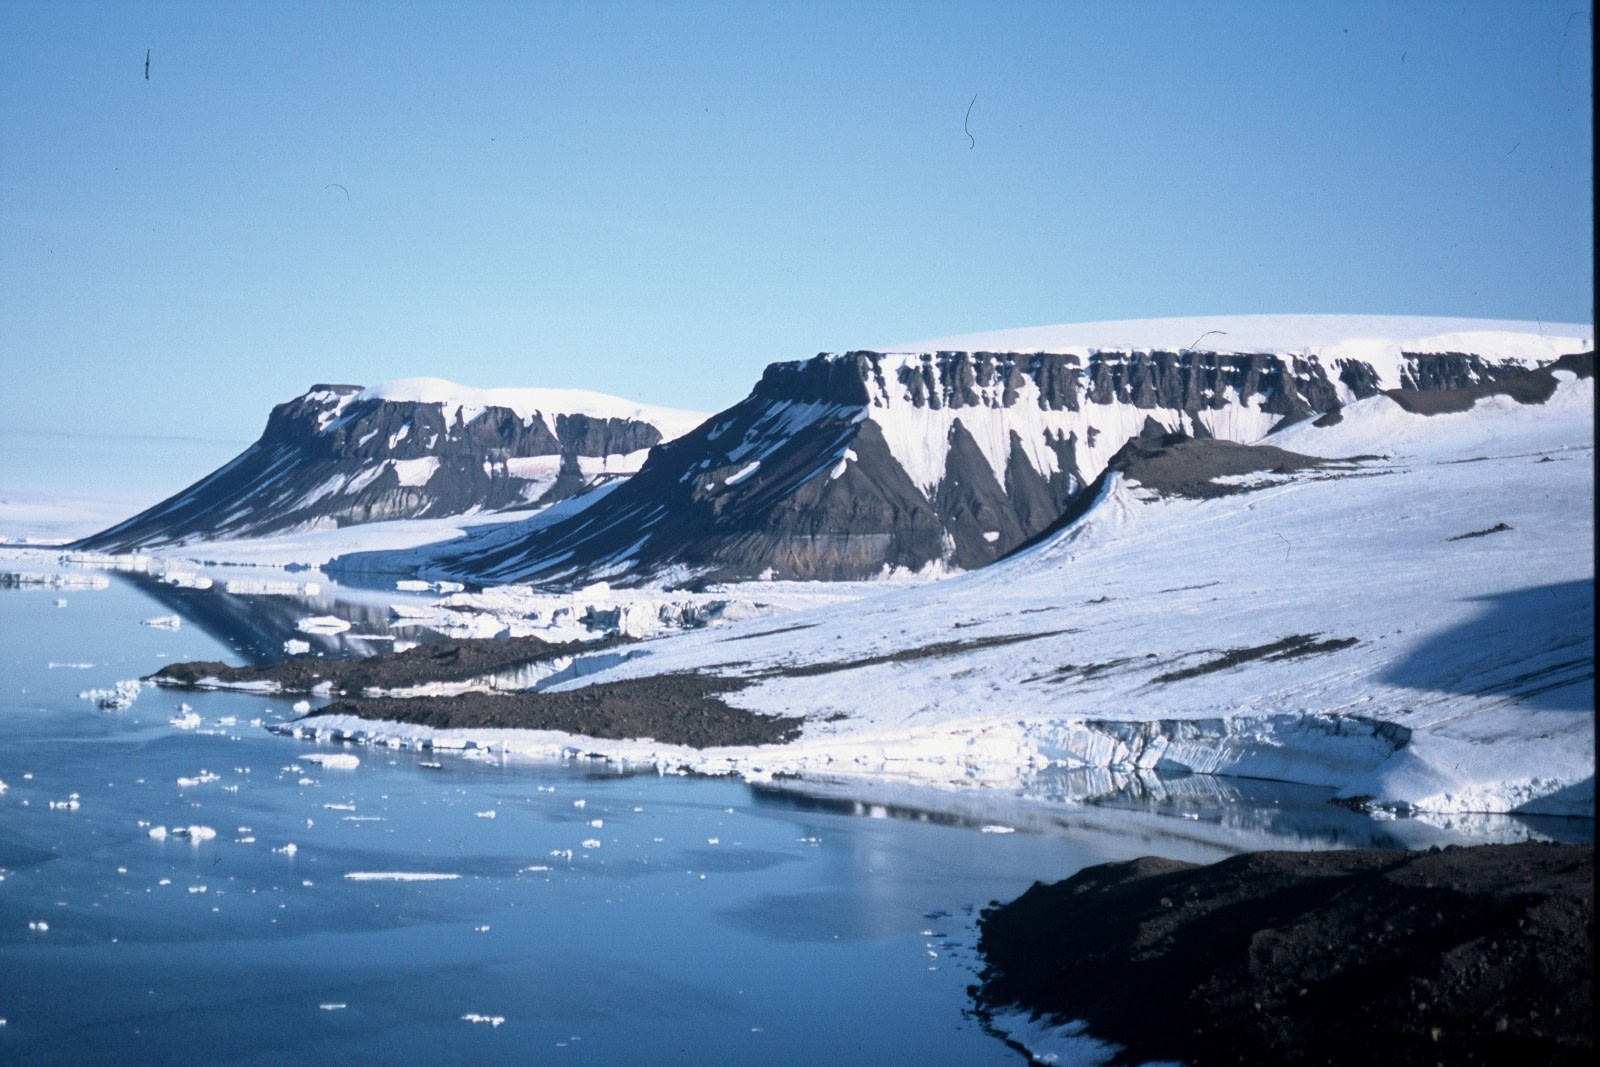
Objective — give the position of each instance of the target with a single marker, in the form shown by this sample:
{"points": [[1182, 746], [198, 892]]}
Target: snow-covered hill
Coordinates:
{"points": [[1412, 621], [949, 454], [419, 448]]}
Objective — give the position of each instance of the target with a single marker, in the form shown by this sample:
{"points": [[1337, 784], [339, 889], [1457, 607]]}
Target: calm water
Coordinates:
{"points": [[605, 918]]}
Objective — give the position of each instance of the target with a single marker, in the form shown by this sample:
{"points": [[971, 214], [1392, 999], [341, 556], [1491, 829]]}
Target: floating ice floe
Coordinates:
{"points": [[116, 698], [302, 706], [202, 778], [194, 833], [998, 829], [333, 1006], [288, 850], [245, 587], [339, 760], [70, 804], [592, 843], [485, 814], [322, 624], [164, 622], [296, 647], [39, 927], [492, 1020], [400, 876], [185, 719], [11, 579]]}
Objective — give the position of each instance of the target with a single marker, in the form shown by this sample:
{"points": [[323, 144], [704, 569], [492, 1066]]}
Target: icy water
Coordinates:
{"points": [[576, 914]]}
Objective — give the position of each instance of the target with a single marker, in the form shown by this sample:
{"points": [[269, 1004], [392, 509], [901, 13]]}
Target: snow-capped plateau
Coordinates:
{"points": [[937, 459], [1409, 621], [420, 448]]}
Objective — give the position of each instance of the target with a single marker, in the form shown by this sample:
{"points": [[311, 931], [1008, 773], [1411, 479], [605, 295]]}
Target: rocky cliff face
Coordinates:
{"points": [[845, 466], [340, 455]]}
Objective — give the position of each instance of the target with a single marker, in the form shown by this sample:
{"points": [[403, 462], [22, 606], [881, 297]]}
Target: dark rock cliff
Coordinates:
{"points": [[842, 466], [334, 457]]}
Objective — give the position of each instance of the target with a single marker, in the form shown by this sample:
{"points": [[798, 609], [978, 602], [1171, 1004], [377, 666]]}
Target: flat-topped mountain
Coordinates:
{"points": [[846, 466], [341, 455]]}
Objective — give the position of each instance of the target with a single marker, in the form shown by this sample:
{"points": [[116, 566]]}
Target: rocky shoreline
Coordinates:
{"points": [[1459, 955]]}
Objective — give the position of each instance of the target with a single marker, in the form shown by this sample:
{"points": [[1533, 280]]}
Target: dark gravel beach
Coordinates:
{"points": [[674, 709], [1460, 955]]}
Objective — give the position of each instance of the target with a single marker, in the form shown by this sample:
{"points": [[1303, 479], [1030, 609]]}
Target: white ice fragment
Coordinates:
{"points": [[194, 833], [486, 814], [302, 706], [288, 850], [116, 698], [579, 803], [340, 760], [591, 843], [492, 1020], [164, 622], [158, 832], [995, 829], [597, 823], [481, 929], [185, 720], [197, 889], [332, 1006], [322, 624], [400, 876], [70, 804], [713, 840], [296, 647]]}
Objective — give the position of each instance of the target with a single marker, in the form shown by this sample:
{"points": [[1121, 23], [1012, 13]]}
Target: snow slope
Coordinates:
{"points": [[1417, 627]]}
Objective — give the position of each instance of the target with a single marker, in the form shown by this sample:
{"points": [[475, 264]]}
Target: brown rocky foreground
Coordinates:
{"points": [[1460, 955]]}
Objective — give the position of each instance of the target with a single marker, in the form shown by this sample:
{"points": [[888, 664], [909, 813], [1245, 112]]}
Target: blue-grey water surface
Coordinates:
{"points": [[600, 917]]}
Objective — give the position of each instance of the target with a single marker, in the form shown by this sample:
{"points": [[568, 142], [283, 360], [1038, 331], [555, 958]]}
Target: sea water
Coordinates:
{"points": [[221, 893]]}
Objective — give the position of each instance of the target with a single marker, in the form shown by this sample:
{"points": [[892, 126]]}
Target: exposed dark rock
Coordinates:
{"points": [[1498, 527], [443, 661], [1462, 955], [674, 709], [326, 460], [1520, 384], [1294, 647]]}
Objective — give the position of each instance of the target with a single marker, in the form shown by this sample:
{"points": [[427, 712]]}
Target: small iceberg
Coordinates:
{"points": [[340, 760], [400, 876], [115, 699], [322, 624]]}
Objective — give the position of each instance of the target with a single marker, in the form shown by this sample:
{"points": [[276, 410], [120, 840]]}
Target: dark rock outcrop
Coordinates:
{"points": [[339, 456]]}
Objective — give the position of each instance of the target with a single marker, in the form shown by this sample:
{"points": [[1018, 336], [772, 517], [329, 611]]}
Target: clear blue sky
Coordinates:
{"points": [[657, 199]]}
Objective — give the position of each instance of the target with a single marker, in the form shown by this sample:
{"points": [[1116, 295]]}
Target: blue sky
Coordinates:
{"points": [[656, 200]]}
